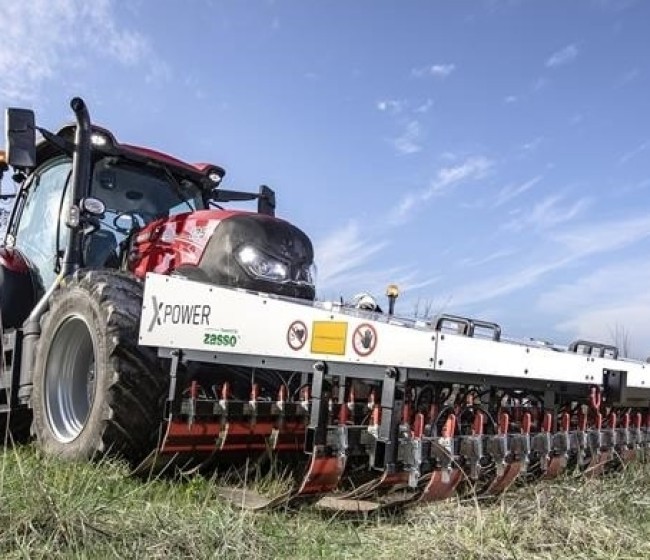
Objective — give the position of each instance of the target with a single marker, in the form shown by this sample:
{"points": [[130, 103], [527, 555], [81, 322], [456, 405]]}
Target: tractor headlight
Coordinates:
{"points": [[262, 265], [306, 274], [265, 267]]}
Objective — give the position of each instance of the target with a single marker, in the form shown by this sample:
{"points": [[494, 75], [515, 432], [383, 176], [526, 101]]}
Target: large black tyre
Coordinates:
{"points": [[96, 391]]}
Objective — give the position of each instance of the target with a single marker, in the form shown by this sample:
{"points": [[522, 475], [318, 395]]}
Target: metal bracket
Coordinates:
{"points": [[316, 434], [385, 453], [173, 405]]}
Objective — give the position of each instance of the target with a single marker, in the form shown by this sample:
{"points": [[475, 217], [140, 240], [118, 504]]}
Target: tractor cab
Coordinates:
{"points": [[122, 197]]}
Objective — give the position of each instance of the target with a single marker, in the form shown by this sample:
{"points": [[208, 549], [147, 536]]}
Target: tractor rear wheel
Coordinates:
{"points": [[96, 391]]}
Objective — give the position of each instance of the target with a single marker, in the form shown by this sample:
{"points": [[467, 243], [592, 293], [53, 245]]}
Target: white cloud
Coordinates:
{"points": [[411, 284], [405, 205], [159, 72], [633, 153], [532, 145], [42, 40], [568, 247], [511, 99], [629, 77], [126, 47], [604, 236], [374, 280], [598, 286], [405, 118], [473, 168], [366, 278], [408, 141], [440, 71], [600, 323], [547, 213], [393, 106], [485, 259], [509, 192], [563, 56], [503, 284], [345, 264], [592, 306], [424, 107], [344, 251]]}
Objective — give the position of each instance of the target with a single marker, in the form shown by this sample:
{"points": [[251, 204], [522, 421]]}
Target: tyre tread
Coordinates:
{"points": [[138, 388]]}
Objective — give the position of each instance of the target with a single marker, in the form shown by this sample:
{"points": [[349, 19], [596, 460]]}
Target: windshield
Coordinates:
{"points": [[149, 192]]}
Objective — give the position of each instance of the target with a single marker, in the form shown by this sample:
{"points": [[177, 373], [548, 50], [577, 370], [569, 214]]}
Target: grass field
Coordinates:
{"points": [[50, 509]]}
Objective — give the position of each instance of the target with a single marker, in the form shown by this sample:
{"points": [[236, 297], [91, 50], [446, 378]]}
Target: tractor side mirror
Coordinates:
{"points": [[21, 138]]}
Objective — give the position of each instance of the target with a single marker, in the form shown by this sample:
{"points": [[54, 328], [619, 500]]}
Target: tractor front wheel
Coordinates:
{"points": [[96, 391]]}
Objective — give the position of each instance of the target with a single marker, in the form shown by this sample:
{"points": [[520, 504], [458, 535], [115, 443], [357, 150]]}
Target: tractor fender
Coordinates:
{"points": [[19, 289]]}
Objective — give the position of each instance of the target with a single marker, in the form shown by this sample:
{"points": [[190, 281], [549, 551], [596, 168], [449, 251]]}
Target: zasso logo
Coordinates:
{"points": [[220, 339]]}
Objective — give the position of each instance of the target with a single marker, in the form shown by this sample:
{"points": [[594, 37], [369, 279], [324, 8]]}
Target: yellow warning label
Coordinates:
{"points": [[328, 337]]}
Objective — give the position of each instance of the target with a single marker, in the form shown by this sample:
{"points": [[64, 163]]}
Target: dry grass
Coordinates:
{"points": [[60, 510]]}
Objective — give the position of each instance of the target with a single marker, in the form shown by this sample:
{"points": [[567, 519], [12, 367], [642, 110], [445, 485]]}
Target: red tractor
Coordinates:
{"points": [[91, 217], [234, 360]]}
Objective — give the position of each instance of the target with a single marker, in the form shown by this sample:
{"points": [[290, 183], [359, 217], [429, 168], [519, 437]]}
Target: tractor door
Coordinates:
{"points": [[39, 230]]}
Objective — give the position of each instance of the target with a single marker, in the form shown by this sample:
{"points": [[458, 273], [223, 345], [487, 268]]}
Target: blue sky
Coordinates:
{"points": [[491, 157]]}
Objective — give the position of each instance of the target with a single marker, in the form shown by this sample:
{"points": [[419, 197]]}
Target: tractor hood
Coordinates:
{"points": [[260, 253], [238, 249]]}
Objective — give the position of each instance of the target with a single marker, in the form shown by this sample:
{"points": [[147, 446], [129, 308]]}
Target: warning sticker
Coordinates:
{"points": [[329, 337], [297, 335], [364, 339]]}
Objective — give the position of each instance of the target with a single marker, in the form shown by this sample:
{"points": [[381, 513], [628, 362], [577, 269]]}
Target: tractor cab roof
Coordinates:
{"points": [[104, 143]]}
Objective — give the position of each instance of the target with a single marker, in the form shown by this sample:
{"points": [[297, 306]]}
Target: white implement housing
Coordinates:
{"points": [[234, 326]]}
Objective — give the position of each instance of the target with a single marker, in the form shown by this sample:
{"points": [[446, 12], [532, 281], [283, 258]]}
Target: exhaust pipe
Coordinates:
{"points": [[72, 257]]}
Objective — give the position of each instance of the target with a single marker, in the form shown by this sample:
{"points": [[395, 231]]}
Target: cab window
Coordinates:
{"points": [[41, 227], [146, 191]]}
